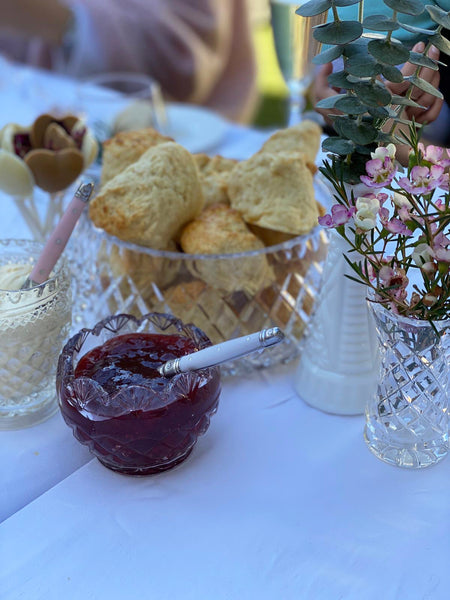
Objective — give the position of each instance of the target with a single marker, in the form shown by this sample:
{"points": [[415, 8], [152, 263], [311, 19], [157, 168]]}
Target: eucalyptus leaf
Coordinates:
{"points": [[439, 16], [362, 66], [440, 42], [363, 149], [313, 8], [380, 112], [356, 48], [417, 30], [339, 32], [330, 102], [346, 2], [351, 105], [391, 73], [404, 101], [380, 23], [338, 145], [423, 61], [385, 138], [425, 86], [327, 55], [407, 7], [339, 80], [388, 52], [373, 94], [359, 133], [353, 80]]}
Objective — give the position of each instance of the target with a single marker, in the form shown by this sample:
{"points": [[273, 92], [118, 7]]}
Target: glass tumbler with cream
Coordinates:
{"points": [[34, 322]]}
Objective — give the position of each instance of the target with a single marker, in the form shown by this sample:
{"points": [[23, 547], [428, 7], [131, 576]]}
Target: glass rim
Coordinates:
{"points": [[377, 306], [314, 236], [72, 352], [60, 267], [148, 84]]}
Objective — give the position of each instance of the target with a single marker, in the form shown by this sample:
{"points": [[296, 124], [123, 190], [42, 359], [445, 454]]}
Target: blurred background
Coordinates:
{"points": [[272, 110]]}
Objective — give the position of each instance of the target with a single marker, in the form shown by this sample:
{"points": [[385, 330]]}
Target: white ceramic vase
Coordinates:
{"points": [[338, 369]]}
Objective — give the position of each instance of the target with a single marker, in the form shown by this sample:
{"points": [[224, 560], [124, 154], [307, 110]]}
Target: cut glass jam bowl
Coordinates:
{"points": [[227, 296], [111, 395]]}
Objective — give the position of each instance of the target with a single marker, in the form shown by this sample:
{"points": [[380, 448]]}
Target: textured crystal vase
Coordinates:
{"points": [[406, 419]]}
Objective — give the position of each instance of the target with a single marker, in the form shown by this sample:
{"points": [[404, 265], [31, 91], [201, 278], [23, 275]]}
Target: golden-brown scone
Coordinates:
{"points": [[214, 175], [272, 238], [125, 148], [221, 230], [275, 191], [304, 137], [145, 270], [195, 302], [152, 199]]}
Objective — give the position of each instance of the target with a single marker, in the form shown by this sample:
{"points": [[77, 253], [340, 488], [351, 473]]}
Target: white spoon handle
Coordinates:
{"points": [[220, 353]]}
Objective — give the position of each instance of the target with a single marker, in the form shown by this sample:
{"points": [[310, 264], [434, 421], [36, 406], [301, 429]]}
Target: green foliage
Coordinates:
{"points": [[380, 23], [407, 238], [439, 16], [339, 32], [407, 7], [369, 112]]}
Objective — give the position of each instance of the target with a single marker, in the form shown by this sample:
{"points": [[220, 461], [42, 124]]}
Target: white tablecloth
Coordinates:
{"points": [[277, 501]]}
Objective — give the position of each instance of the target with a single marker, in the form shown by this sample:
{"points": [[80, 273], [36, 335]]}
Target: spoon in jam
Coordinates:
{"points": [[60, 236], [220, 353]]}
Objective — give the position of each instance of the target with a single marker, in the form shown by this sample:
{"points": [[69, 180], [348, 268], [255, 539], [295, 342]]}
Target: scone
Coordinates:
{"points": [[151, 200], [220, 230], [273, 238], [304, 137], [275, 191], [195, 302], [214, 175], [126, 148]]}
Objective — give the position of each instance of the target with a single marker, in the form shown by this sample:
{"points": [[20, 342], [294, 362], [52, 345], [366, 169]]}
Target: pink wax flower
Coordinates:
{"points": [[435, 155], [410, 223], [339, 216], [395, 225], [423, 180], [380, 172]]}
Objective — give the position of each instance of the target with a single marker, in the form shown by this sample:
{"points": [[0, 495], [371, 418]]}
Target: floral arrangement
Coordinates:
{"points": [[398, 232], [401, 230], [369, 110]]}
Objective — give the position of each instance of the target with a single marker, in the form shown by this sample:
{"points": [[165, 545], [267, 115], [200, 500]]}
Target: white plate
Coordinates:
{"points": [[196, 128]]}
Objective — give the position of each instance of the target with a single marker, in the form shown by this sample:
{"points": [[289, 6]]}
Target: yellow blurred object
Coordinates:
{"points": [[270, 79]]}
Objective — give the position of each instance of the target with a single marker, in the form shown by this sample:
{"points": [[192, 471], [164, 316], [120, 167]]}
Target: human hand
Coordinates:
{"points": [[432, 103], [321, 89]]}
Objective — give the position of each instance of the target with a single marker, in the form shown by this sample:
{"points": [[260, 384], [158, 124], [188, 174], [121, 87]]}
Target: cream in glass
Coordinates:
{"points": [[33, 326]]}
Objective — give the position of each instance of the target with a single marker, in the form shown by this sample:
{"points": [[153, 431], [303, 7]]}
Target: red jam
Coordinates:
{"points": [[132, 359], [161, 433]]}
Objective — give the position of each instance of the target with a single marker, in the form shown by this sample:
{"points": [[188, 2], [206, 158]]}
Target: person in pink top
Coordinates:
{"points": [[200, 51]]}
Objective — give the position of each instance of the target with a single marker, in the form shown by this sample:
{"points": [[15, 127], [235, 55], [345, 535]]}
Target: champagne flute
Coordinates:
{"points": [[295, 47]]}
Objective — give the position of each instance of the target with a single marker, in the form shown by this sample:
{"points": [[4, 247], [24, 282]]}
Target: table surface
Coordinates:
{"points": [[277, 500]]}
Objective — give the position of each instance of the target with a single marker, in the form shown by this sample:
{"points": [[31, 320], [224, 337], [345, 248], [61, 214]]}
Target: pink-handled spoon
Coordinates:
{"points": [[57, 241]]}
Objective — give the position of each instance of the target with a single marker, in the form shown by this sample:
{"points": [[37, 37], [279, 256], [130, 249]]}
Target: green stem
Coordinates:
{"points": [[335, 13]]}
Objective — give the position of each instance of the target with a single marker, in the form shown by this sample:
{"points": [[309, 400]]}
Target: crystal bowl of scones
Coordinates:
{"points": [[230, 246]]}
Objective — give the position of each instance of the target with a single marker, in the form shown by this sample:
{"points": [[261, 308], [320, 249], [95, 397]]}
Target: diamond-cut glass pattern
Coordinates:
{"points": [[226, 296], [34, 324], [407, 420], [137, 430]]}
